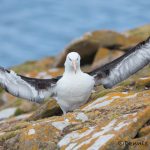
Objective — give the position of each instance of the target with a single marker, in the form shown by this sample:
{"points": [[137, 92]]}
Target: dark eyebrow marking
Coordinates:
{"points": [[70, 59]]}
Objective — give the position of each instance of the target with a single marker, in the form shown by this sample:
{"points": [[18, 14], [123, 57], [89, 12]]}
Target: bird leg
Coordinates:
{"points": [[64, 114]]}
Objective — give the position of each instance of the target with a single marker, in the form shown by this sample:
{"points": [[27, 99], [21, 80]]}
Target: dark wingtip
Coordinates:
{"points": [[148, 39], [144, 42]]}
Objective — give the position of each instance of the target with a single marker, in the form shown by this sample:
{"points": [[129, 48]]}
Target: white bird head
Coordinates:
{"points": [[72, 62]]}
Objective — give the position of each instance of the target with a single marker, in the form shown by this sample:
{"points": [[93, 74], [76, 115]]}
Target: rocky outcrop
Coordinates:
{"points": [[113, 119], [140, 32], [105, 55], [88, 45]]}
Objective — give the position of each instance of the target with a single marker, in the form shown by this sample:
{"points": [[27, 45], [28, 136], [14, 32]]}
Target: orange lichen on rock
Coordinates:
{"points": [[100, 135], [43, 132]]}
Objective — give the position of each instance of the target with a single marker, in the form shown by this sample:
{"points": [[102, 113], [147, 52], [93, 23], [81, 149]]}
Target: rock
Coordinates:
{"points": [[139, 143], [144, 131], [104, 135], [88, 45], [50, 108], [140, 33], [104, 56], [22, 106], [143, 82], [39, 136], [37, 66], [8, 112]]}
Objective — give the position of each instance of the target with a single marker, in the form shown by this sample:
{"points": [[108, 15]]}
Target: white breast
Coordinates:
{"points": [[74, 90]]}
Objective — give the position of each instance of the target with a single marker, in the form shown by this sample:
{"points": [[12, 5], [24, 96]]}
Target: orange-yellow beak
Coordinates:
{"points": [[74, 64]]}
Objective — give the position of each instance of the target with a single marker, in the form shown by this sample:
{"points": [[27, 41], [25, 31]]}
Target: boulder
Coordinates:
{"points": [[144, 131], [34, 66], [140, 33], [88, 45], [49, 109], [105, 55]]}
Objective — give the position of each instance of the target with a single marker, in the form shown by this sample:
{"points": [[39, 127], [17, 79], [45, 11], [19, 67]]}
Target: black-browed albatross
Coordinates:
{"points": [[74, 87]]}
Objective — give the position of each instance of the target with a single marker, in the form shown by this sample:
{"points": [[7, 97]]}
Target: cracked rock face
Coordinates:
{"points": [[113, 119]]}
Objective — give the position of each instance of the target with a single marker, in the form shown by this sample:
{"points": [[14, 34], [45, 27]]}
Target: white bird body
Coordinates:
{"points": [[73, 90]]}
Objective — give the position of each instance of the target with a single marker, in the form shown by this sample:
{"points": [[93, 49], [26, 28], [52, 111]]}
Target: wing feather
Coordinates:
{"points": [[123, 67], [27, 88]]}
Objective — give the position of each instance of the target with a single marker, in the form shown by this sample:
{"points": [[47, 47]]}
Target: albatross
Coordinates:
{"points": [[74, 87]]}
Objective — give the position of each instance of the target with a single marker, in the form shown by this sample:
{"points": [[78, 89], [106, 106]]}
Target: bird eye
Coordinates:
{"points": [[69, 58]]}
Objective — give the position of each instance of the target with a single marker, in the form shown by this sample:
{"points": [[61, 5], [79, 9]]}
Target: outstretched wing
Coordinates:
{"points": [[123, 67], [27, 88]]}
